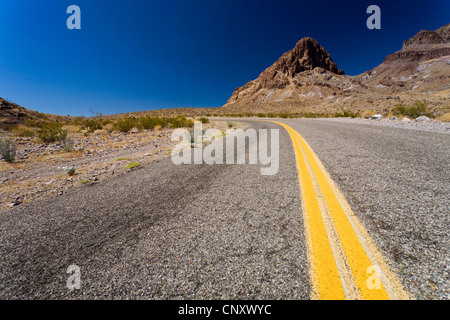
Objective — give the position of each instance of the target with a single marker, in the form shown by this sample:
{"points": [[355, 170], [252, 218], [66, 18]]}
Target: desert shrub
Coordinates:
{"points": [[52, 132], [124, 125], [105, 122], [400, 110], [345, 114], [42, 116], [70, 170], [78, 120], [163, 122], [32, 123], [417, 109], [204, 120], [261, 115], [314, 115], [180, 122], [284, 115], [23, 132], [90, 125], [148, 122], [8, 149], [68, 144], [10, 127]]}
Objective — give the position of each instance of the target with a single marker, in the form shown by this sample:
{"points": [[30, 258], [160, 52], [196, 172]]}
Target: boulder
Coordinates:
{"points": [[423, 119]]}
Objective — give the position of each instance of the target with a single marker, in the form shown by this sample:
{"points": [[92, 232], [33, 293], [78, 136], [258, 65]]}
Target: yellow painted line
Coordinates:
{"points": [[324, 272], [392, 285], [358, 254]]}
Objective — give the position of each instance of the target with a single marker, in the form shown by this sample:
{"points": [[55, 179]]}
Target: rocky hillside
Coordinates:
{"points": [[12, 115], [306, 79], [421, 66], [305, 71]]}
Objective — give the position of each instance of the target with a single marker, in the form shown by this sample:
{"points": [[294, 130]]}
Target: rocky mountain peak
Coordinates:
{"points": [[306, 55], [424, 37]]}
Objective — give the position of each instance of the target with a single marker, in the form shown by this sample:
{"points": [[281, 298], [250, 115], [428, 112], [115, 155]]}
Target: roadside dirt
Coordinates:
{"points": [[40, 170]]}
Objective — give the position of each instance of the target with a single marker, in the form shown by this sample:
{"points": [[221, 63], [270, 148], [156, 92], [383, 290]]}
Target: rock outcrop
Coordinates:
{"points": [[288, 73], [306, 79]]}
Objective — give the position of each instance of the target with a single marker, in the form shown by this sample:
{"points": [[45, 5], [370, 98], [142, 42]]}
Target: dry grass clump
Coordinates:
{"points": [[417, 109], [444, 118]]}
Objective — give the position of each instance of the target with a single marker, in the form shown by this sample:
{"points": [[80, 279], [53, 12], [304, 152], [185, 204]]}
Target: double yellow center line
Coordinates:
{"points": [[344, 261]]}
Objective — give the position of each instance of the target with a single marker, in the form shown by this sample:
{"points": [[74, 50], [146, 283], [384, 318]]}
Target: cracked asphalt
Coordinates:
{"points": [[168, 231]]}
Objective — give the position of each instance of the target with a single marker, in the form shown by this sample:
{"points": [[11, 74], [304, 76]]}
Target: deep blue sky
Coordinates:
{"points": [[143, 54]]}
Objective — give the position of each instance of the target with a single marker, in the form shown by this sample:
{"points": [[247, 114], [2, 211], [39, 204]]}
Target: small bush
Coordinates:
{"points": [[8, 149], [180, 122], [124, 125], [314, 115], [149, 123], [70, 170], [68, 144], [22, 131], [345, 114], [204, 120], [90, 125], [52, 132], [417, 109]]}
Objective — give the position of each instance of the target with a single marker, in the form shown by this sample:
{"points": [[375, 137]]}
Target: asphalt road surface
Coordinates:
{"points": [[169, 231]]}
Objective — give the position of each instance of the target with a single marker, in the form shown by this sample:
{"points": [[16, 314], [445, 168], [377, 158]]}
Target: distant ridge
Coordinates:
{"points": [[307, 79]]}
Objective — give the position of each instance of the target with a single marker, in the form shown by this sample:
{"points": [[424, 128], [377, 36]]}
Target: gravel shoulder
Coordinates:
{"points": [[429, 126]]}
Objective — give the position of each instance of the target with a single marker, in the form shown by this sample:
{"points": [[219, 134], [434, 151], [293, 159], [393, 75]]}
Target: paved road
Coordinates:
{"points": [[226, 231]]}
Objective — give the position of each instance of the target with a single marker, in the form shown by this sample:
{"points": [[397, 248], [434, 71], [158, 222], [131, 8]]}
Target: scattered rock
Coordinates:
{"points": [[376, 117], [70, 170], [50, 182], [14, 203], [423, 119]]}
